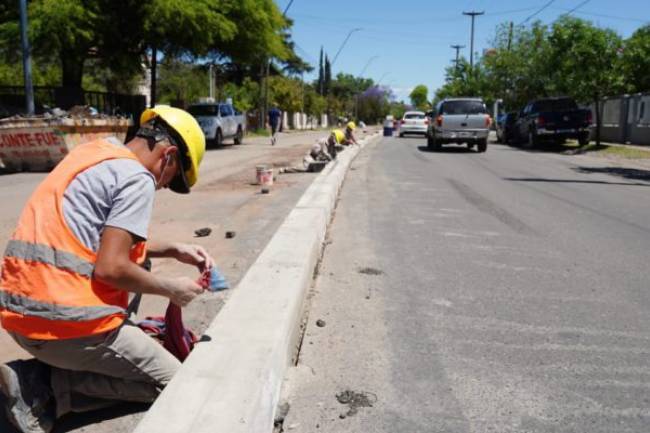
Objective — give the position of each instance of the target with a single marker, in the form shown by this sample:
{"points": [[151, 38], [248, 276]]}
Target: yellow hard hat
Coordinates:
{"points": [[351, 125], [191, 148]]}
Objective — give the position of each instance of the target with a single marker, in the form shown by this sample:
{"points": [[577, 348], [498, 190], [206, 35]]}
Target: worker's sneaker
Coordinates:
{"points": [[28, 397]]}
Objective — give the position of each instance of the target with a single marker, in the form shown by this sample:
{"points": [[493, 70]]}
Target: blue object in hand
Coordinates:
{"points": [[217, 281]]}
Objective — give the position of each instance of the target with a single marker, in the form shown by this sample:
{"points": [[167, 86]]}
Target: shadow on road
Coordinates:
{"points": [[598, 182], [626, 173], [75, 421], [447, 149]]}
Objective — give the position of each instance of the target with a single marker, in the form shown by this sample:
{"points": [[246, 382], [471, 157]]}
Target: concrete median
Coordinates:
{"points": [[232, 380]]}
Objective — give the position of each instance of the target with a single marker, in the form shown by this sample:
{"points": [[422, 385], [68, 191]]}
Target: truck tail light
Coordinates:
{"points": [[402, 122], [439, 121], [426, 121], [488, 121], [540, 121], [589, 117]]}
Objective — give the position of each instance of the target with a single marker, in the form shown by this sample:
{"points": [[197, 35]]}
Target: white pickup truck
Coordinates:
{"points": [[219, 121], [460, 120]]}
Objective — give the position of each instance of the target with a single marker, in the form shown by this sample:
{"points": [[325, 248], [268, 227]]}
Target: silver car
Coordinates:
{"points": [[460, 120], [413, 122]]}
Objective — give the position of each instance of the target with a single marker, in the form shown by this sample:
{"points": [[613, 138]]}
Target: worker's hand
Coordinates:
{"points": [[181, 291], [193, 255]]}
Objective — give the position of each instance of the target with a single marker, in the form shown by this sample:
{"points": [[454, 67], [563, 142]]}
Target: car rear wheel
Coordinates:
{"points": [[239, 137], [532, 140], [583, 140], [218, 138], [482, 145]]}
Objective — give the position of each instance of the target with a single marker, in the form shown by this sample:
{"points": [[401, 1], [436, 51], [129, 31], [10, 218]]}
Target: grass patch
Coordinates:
{"points": [[604, 149], [260, 132]]}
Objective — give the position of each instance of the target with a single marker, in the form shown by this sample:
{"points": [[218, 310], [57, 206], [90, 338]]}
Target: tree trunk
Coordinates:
{"points": [[154, 77], [72, 68], [598, 119], [70, 93]]}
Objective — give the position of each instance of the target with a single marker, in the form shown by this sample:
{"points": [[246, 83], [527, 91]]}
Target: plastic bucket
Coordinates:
{"points": [[264, 175]]}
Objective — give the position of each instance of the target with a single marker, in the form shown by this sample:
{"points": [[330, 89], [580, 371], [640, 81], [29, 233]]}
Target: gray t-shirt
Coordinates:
{"points": [[116, 193]]}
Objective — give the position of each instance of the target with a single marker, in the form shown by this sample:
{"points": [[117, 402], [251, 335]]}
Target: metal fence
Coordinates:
{"points": [[12, 101], [625, 119]]}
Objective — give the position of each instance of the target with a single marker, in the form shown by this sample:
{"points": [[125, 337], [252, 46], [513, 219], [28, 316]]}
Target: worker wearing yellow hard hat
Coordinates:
{"points": [[184, 132], [72, 261], [349, 133]]}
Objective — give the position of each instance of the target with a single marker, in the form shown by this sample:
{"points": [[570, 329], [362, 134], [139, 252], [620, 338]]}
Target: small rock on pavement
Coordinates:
{"points": [[230, 234], [265, 190], [202, 232], [320, 323]]}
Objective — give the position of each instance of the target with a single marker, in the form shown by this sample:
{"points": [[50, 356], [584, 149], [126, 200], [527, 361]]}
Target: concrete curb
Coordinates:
{"points": [[231, 382]]}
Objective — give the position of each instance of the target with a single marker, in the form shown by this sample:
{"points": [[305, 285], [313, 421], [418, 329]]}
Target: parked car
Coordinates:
{"points": [[219, 121], [460, 120], [505, 127], [552, 120], [413, 122]]}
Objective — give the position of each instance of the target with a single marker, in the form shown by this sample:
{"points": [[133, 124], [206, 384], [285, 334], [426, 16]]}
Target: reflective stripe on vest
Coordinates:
{"points": [[29, 307], [49, 256]]}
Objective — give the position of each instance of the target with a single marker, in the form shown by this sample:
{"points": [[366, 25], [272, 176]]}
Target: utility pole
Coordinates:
{"points": [[472, 14], [457, 48], [27, 60], [510, 35], [211, 76]]}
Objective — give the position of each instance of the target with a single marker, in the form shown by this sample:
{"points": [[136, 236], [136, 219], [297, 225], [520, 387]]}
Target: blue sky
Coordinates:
{"points": [[412, 37]]}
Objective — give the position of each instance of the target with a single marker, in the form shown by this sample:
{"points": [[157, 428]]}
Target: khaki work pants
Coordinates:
{"points": [[98, 371]]}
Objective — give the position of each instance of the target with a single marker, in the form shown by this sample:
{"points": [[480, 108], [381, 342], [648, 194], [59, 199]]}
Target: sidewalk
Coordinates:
{"points": [[225, 200]]}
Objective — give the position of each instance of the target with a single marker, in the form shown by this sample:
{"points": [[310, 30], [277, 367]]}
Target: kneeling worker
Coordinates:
{"points": [[72, 261], [349, 134]]}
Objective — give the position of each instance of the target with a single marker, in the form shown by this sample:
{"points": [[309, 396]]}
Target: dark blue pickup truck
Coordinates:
{"points": [[552, 120]]}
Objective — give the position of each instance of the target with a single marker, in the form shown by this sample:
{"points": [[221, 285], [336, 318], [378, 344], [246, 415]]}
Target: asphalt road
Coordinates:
{"points": [[463, 292]]}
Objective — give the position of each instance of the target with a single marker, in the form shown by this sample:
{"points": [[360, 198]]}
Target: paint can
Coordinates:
{"points": [[264, 175]]}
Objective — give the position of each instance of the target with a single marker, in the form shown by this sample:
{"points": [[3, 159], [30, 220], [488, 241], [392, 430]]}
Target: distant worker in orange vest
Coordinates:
{"points": [[72, 261]]}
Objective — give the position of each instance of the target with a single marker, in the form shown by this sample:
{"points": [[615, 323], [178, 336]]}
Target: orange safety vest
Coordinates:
{"points": [[47, 289]]}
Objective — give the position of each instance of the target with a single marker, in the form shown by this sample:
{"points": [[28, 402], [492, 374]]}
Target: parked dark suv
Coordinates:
{"points": [[552, 120]]}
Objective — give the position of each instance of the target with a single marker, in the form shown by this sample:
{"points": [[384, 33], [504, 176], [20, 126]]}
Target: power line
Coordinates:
{"points": [[613, 17], [540, 10], [577, 7]]}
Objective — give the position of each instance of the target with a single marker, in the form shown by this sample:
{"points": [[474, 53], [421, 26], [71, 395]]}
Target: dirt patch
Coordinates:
{"points": [[354, 400], [370, 271]]}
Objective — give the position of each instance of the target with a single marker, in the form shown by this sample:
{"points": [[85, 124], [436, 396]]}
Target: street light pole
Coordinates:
{"points": [[345, 41], [356, 96], [27, 61], [472, 14]]}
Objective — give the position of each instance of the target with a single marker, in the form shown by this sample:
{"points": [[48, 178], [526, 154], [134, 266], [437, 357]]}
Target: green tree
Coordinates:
{"points": [[314, 103], [327, 76], [181, 83], [285, 93], [419, 97], [635, 61], [584, 61], [245, 97], [119, 34]]}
